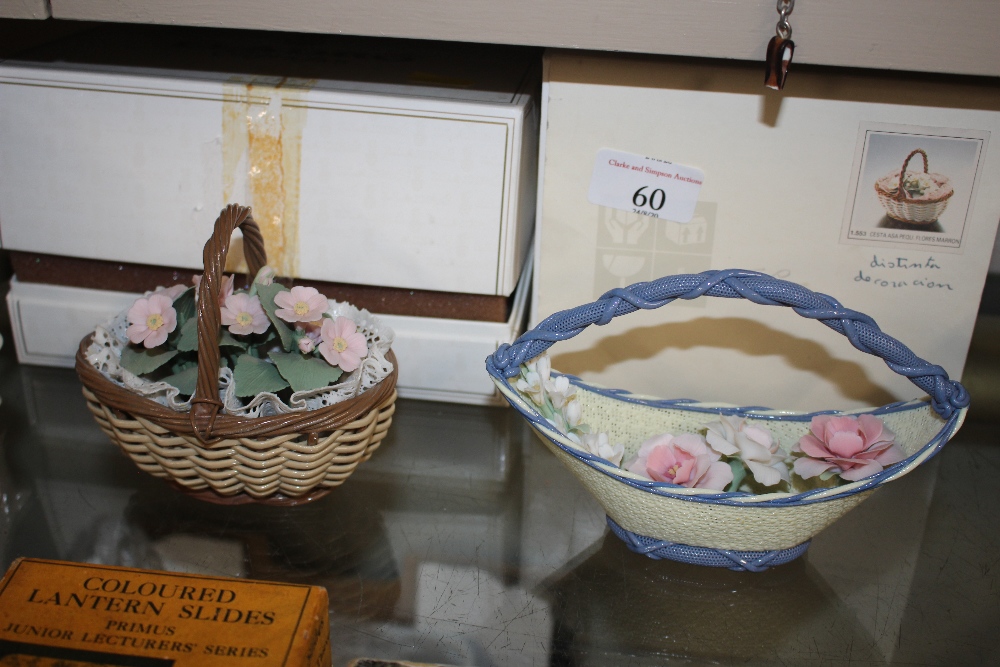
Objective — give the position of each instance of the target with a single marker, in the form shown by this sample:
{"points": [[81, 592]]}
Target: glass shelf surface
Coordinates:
{"points": [[464, 542]]}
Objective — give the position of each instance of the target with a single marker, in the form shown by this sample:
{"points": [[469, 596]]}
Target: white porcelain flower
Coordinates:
{"points": [[560, 391], [572, 413], [534, 378], [754, 445], [555, 398], [598, 444], [918, 183]]}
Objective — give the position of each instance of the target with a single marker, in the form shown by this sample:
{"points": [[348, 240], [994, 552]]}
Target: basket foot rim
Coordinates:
{"points": [[742, 561]]}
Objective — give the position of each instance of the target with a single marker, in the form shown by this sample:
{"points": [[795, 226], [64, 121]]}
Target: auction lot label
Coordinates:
{"points": [[644, 185]]}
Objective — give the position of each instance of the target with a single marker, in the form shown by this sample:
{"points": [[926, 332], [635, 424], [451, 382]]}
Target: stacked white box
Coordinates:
{"points": [[403, 168], [390, 184]]}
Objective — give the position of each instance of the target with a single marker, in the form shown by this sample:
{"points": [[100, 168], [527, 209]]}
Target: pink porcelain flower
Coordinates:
{"points": [[225, 288], [243, 315], [342, 344], [852, 447], [265, 276], [151, 319], [685, 460], [171, 292], [300, 304], [312, 336]]}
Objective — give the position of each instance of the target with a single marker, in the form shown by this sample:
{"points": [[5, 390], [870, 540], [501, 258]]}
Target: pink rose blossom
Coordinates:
{"points": [[685, 460], [243, 315], [151, 319], [852, 447], [306, 345], [300, 304], [342, 344]]}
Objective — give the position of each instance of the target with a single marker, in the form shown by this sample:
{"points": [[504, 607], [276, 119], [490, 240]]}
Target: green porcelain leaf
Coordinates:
{"points": [[266, 294], [227, 339], [184, 305], [252, 376], [187, 339], [139, 360], [184, 380], [739, 473], [305, 373]]}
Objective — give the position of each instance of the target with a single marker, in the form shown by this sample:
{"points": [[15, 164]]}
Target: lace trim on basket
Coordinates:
{"points": [[105, 352]]}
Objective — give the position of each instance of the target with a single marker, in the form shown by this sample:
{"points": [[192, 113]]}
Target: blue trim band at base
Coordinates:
{"points": [[749, 561]]}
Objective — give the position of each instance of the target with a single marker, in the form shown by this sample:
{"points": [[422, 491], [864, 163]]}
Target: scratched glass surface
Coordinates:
{"points": [[464, 542]]}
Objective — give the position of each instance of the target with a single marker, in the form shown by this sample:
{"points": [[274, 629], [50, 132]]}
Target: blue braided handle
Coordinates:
{"points": [[946, 395]]}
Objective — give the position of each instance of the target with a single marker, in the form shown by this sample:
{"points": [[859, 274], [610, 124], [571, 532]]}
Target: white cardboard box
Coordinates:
{"points": [[788, 178], [422, 177]]}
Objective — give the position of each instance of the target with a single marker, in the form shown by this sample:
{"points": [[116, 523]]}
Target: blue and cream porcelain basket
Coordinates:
{"points": [[737, 530]]}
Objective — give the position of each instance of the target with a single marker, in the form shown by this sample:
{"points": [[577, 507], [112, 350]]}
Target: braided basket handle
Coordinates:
{"points": [[947, 395], [205, 405], [900, 190]]}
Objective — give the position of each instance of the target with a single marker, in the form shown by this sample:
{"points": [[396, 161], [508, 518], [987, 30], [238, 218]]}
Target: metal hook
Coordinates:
{"points": [[780, 49]]}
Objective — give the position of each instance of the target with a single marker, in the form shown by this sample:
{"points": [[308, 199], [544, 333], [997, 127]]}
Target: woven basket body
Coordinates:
{"points": [[899, 206], [913, 212], [279, 459], [735, 529], [280, 468]]}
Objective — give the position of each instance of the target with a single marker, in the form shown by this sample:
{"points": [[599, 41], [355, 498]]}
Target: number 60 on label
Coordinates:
{"points": [[655, 200]]}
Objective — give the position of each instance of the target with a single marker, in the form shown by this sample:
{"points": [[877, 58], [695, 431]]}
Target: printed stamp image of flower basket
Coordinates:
{"points": [[282, 459], [914, 197], [734, 529]]}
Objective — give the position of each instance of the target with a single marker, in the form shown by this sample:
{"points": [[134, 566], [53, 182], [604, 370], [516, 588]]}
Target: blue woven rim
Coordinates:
{"points": [[743, 561], [948, 397]]}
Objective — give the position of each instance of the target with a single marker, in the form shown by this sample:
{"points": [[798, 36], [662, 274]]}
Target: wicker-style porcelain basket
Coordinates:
{"points": [[736, 530], [900, 206], [280, 459]]}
